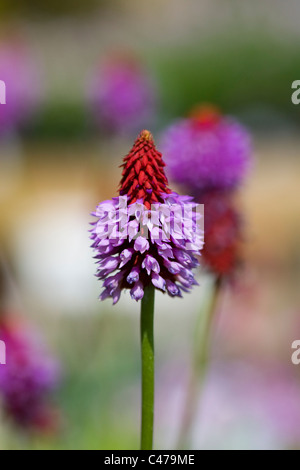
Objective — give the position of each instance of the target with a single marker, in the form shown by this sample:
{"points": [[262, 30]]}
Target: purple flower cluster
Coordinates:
{"points": [[20, 76], [122, 95], [136, 246], [27, 378], [205, 156]]}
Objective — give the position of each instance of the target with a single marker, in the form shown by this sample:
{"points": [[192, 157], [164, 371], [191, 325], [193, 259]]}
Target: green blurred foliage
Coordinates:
{"points": [[62, 120], [236, 73], [247, 76]]}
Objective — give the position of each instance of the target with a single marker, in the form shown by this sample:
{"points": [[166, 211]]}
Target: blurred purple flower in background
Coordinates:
{"points": [[20, 75], [207, 151], [209, 155], [122, 95], [28, 378]]}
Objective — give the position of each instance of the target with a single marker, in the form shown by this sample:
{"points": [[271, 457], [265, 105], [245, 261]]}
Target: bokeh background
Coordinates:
{"points": [[241, 56]]}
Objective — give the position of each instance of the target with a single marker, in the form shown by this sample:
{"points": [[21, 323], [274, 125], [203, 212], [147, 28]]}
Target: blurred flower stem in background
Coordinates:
{"points": [[200, 359], [210, 155], [147, 349]]}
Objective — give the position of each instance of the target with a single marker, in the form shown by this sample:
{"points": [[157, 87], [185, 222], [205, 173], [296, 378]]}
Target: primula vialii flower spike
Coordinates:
{"points": [[148, 235], [143, 176]]}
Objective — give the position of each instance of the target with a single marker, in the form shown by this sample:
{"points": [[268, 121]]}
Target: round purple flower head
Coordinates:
{"points": [[22, 87], [122, 95], [27, 378], [207, 151], [147, 235]]}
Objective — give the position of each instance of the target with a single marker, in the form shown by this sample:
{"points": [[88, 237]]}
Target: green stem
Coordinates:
{"points": [[202, 353], [200, 362], [147, 345]]}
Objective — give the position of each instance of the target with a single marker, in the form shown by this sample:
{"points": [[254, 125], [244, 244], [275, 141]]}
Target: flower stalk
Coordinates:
{"points": [[200, 361], [147, 350]]}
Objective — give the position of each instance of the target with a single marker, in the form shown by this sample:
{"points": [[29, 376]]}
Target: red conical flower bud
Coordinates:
{"points": [[143, 176]]}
